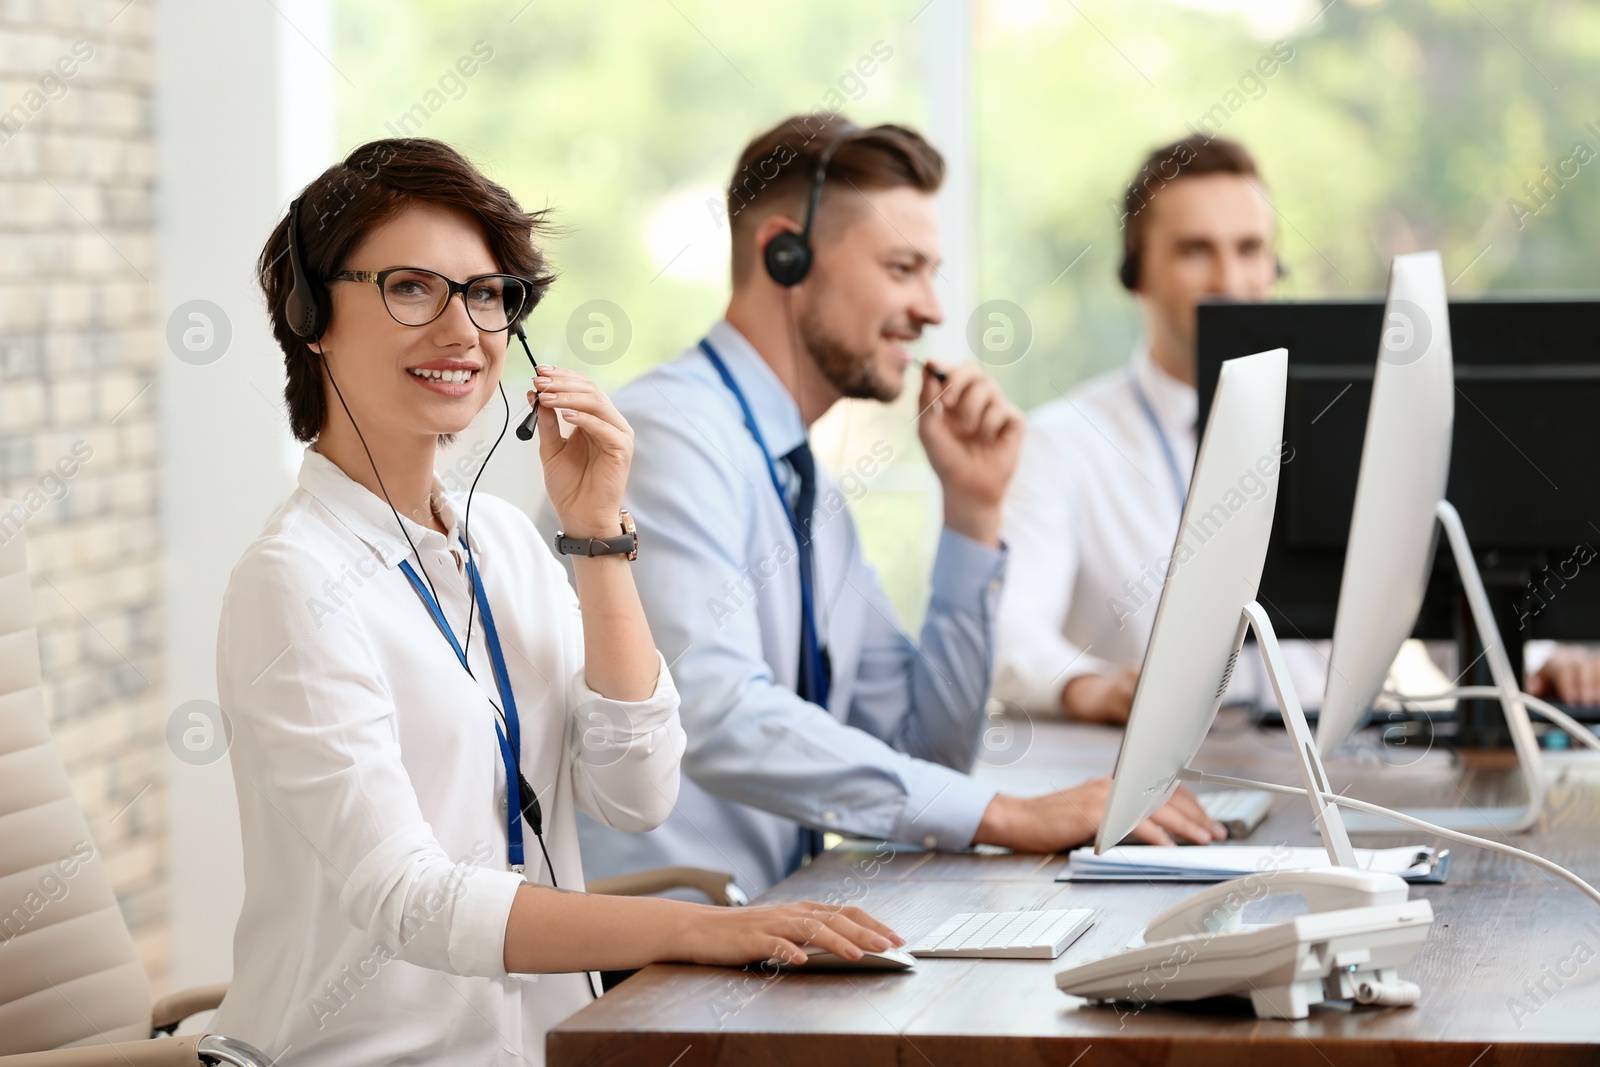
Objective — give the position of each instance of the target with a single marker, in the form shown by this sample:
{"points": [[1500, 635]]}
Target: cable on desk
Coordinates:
{"points": [[1206, 778], [1567, 723]]}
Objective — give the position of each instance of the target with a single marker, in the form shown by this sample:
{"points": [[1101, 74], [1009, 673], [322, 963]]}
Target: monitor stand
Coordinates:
{"points": [[1329, 820], [1474, 819]]}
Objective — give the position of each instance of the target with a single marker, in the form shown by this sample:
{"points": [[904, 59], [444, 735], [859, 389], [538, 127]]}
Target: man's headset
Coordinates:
{"points": [[1128, 269], [788, 256]]}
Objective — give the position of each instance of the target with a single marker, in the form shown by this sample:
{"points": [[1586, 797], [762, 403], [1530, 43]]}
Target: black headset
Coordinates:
{"points": [[306, 306], [788, 256], [1128, 269]]}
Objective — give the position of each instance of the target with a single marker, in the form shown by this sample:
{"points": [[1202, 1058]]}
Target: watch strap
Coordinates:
{"points": [[593, 546], [626, 543]]}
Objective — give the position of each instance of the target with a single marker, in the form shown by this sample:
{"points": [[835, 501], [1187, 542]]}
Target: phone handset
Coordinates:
{"points": [[1219, 908]]}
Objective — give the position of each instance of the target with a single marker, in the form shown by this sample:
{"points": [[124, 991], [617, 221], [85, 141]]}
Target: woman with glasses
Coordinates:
{"points": [[418, 701]]}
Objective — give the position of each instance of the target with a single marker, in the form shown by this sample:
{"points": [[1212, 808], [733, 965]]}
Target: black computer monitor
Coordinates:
{"points": [[1524, 467]]}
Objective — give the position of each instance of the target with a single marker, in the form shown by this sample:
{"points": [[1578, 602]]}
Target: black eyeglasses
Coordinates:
{"points": [[415, 296]]}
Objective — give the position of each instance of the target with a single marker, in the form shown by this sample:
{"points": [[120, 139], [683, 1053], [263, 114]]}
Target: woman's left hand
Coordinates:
{"points": [[586, 473]]}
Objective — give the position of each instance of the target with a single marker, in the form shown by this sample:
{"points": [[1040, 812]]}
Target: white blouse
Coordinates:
{"points": [[371, 788]]}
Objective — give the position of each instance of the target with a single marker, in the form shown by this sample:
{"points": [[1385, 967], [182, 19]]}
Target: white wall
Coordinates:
{"points": [[244, 118]]}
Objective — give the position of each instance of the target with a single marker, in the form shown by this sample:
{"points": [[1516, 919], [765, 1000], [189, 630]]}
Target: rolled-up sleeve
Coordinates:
{"points": [[626, 753], [317, 727]]}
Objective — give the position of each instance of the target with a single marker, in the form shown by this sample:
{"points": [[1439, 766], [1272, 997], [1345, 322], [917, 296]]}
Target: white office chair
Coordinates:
{"points": [[72, 990], [720, 888]]}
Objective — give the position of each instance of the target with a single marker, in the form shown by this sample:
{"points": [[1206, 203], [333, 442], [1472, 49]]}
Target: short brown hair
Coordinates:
{"points": [[777, 169], [351, 199], [1192, 157]]}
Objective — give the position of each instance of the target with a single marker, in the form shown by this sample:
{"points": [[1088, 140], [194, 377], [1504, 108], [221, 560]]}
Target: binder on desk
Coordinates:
{"points": [[1218, 863]]}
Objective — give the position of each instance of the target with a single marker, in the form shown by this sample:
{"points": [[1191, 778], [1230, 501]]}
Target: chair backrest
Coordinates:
{"points": [[69, 973]]}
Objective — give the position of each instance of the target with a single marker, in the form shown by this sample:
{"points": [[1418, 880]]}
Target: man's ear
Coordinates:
{"points": [[770, 227]]}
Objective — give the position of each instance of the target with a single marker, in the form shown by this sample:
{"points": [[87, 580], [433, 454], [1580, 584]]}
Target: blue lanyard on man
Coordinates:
{"points": [[510, 747], [1178, 481], [813, 681]]}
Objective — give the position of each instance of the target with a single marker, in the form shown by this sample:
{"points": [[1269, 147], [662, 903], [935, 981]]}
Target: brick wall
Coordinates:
{"points": [[79, 344]]}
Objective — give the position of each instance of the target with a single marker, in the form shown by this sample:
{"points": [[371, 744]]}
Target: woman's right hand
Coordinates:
{"points": [[737, 936]]}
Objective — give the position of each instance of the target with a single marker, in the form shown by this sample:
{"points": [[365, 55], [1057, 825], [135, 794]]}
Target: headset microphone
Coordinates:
{"points": [[527, 426]]}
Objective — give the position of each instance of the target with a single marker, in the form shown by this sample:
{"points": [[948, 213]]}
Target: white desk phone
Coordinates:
{"points": [[1360, 929]]}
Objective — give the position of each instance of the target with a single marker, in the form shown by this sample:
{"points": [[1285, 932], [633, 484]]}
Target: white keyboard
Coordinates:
{"points": [[1005, 935], [1240, 810]]}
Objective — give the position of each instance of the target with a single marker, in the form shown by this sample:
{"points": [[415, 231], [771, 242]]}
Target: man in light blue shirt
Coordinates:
{"points": [[806, 707]]}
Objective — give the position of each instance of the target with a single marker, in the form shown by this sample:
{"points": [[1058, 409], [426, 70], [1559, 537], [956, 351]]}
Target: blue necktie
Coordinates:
{"points": [[812, 679], [812, 682]]}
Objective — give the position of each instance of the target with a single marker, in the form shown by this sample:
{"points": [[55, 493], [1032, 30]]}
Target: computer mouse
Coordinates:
{"points": [[889, 959]]}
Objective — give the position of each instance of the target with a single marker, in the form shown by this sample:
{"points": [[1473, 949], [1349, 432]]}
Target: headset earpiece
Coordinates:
{"points": [[1128, 270], [306, 306], [788, 258]]}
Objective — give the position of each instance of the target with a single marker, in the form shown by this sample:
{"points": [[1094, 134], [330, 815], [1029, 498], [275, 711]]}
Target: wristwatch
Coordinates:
{"points": [[627, 542]]}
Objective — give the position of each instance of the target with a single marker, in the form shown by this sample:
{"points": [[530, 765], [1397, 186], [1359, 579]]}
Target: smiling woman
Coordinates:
{"points": [[387, 771], [379, 181]]}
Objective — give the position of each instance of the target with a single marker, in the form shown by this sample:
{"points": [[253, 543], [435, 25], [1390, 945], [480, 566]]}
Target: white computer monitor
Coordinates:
{"points": [[1213, 573], [1405, 462]]}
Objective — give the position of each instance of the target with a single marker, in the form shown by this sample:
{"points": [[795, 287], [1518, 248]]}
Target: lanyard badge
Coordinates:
{"points": [[814, 669], [1178, 483], [527, 805]]}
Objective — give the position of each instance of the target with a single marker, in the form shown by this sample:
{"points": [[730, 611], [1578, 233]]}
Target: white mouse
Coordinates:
{"points": [[889, 959]]}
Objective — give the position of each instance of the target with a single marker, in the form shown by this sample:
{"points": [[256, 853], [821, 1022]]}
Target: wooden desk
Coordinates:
{"points": [[1500, 925]]}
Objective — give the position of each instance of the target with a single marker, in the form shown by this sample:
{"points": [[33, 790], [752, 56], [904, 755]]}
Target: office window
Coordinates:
{"points": [[1479, 139]]}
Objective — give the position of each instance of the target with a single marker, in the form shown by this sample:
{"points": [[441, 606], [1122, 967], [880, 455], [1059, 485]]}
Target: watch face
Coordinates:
{"points": [[630, 530]]}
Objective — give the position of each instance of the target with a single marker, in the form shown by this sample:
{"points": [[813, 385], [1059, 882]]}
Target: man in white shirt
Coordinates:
{"points": [[807, 708], [1092, 513]]}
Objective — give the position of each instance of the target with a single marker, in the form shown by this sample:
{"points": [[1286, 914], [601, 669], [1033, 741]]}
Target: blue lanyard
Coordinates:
{"points": [[1178, 481], [508, 748], [817, 667]]}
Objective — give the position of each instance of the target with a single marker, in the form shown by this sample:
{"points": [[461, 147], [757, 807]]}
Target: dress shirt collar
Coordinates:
{"points": [[367, 515], [776, 413], [1175, 403]]}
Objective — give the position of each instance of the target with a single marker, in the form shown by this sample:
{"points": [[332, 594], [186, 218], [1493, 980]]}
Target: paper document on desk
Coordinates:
{"points": [[1218, 863]]}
